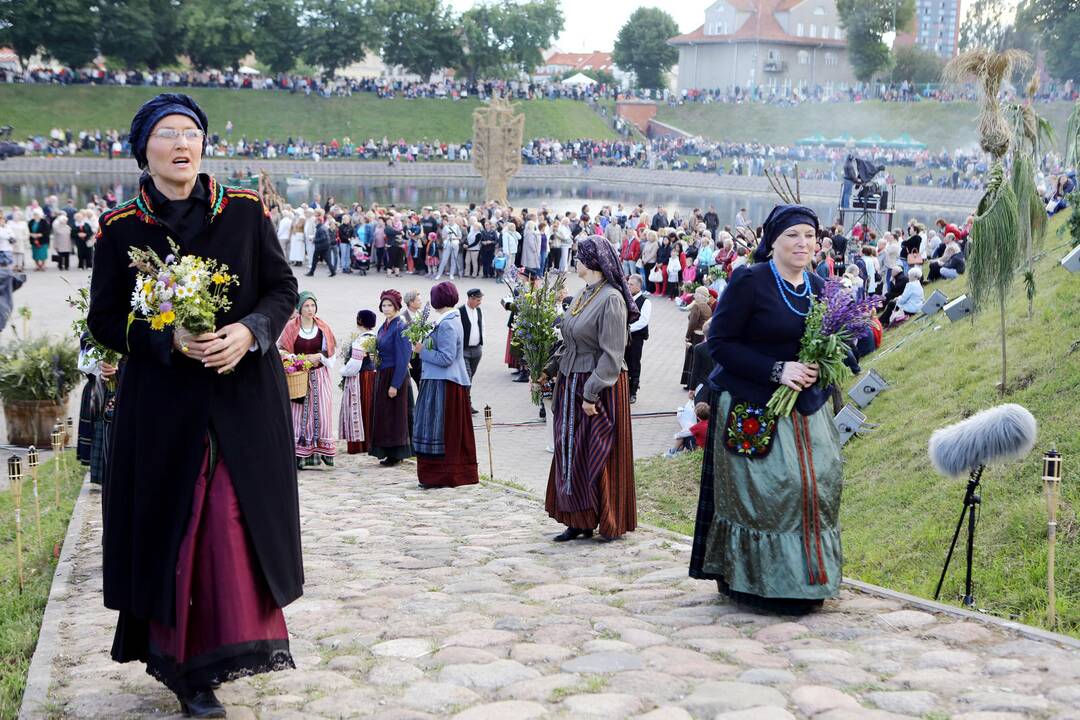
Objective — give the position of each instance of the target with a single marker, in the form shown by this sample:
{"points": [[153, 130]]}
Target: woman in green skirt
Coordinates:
{"points": [[768, 521]]}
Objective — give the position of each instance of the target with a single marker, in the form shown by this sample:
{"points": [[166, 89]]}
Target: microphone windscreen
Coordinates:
{"points": [[999, 434]]}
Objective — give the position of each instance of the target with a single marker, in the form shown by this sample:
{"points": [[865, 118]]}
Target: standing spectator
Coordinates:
{"points": [[345, 234], [630, 252], [40, 231], [639, 333], [84, 238], [61, 242], [321, 245]]}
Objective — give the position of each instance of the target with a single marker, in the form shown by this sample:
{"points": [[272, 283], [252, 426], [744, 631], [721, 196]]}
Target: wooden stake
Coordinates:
{"points": [[491, 457], [1051, 535]]}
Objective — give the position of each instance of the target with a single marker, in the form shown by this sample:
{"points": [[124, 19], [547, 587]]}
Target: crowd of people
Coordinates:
{"points": [[201, 530]]}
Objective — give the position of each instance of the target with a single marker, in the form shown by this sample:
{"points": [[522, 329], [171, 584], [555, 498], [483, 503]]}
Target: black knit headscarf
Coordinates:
{"points": [[780, 219], [151, 113], [597, 254]]}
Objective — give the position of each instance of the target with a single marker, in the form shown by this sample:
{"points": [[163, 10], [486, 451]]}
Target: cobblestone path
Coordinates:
{"points": [[456, 604]]}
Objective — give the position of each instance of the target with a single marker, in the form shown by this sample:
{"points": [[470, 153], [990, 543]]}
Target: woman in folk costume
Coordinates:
{"points": [[591, 483], [768, 526], [390, 439], [313, 415], [201, 531], [358, 386], [442, 429]]}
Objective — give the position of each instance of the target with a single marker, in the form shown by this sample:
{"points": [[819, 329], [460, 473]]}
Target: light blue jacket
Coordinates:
{"points": [[911, 300], [443, 352]]}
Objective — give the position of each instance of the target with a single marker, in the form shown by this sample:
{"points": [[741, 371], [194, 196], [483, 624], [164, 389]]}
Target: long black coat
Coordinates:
{"points": [[166, 403]]}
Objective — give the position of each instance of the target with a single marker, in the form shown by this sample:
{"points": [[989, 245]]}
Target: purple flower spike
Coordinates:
{"points": [[170, 259], [165, 306]]}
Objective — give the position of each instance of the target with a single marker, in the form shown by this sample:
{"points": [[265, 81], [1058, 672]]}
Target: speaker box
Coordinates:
{"points": [[958, 309], [848, 422], [1071, 262], [935, 302], [867, 388]]}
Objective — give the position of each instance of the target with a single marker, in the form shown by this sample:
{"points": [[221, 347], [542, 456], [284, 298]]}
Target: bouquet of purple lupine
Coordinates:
{"points": [[834, 322], [421, 327]]}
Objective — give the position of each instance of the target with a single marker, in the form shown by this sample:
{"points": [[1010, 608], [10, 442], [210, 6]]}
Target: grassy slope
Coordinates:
{"points": [[936, 124], [898, 515], [34, 109], [20, 614]]}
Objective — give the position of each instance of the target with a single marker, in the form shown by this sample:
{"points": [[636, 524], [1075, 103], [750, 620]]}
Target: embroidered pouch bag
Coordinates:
{"points": [[749, 429]]}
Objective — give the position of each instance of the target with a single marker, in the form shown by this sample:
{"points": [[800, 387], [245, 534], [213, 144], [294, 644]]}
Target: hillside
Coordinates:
{"points": [[35, 109], [948, 125], [898, 516]]}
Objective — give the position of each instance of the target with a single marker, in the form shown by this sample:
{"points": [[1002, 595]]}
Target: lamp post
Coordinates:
{"points": [[33, 461], [15, 481], [1051, 486], [58, 447], [487, 424]]}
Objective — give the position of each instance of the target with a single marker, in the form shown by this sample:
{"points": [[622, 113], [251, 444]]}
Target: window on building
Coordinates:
{"points": [[799, 29], [819, 10], [813, 30], [804, 57], [838, 33], [830, 59], [825, 31]]}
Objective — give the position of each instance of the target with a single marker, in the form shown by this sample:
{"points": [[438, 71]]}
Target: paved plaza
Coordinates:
{"points": [[519, 438], [456, 604]]}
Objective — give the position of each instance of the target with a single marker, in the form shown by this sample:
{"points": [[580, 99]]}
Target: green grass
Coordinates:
{"points": [[20, 613], [258, 114], [948, 125], [898, 515]]}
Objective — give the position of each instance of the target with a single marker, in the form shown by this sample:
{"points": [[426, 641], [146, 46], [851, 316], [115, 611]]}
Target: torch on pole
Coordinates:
{"points": [[1051, 486], [491, 457]]}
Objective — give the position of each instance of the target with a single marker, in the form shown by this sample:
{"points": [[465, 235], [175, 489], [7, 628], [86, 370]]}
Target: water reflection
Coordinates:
{"points": [[560, 195]]}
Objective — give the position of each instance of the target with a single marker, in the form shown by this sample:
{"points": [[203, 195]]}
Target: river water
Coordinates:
{"points": [[558, 195]]}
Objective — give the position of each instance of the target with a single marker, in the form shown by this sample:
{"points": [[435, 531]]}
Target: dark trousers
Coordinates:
{"points": [[633, 362], [472, 358], [322, 252]]}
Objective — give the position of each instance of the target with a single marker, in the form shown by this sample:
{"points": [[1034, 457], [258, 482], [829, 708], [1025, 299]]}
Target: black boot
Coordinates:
{"points": [[201, 704], [572, 534]]}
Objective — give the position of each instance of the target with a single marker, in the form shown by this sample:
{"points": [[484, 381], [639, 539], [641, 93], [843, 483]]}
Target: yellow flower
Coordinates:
{"points": [[220, 279], [156, 323], [168, 317], [147, 287]]}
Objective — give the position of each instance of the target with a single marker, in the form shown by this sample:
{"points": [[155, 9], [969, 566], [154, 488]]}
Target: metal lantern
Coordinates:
{"points": [[32, 458], [491, 457], [1051, 487], [57, 437], [15, 480], [69, 435]]}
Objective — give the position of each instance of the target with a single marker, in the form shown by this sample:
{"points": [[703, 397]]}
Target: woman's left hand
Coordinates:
{"points": [[416, 347], [589, 408], [232, 343]]}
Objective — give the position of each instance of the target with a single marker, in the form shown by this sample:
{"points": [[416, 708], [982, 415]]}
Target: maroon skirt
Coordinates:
{"points": [[512, 358], [458, 465], [390, 435], [367, 397], [591, 482], [227, 624]]}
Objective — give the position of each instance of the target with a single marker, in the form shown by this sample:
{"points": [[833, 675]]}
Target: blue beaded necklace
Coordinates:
{"points": [[782, 287]]}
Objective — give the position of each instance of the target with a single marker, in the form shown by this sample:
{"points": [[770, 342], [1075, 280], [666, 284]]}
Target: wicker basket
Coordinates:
{"points": [[298, 384]]}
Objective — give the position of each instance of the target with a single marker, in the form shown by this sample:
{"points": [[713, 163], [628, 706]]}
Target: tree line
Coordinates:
{"points": [[494, 40]]}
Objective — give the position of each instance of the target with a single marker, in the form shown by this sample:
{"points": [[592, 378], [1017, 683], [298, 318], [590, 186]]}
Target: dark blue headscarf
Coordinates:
{"points": [[780, 219], [150, 114]]}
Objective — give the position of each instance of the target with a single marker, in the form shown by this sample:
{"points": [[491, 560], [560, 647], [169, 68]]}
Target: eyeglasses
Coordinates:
{"points": [[192, 134]]}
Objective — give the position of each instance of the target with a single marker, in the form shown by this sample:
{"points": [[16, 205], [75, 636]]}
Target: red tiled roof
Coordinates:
{"points": [[767, 28], [581, 61]]}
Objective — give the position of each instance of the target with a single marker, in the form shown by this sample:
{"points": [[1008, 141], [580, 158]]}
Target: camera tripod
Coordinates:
{"points": [[971, 503]]}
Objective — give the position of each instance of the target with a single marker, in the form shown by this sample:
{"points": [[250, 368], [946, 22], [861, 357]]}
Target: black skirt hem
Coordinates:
{"points": [[779, 606], [220, 665]]}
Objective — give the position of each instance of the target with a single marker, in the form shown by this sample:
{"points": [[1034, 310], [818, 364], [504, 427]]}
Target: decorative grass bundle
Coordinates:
{"points": [[990, 69]]}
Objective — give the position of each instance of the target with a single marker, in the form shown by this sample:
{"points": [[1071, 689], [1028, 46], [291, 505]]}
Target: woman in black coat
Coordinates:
{"points": [[201, 516]]}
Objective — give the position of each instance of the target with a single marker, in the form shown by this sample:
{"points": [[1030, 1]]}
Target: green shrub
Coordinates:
{"points": [[39, 368]]}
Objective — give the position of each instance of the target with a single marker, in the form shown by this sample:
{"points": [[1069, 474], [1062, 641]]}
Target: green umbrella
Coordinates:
{"points": [[871, 141], [812, 140], [839, 141]]}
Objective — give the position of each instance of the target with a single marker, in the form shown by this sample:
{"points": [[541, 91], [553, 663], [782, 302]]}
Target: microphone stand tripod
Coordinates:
{"points": [[971, 501]]}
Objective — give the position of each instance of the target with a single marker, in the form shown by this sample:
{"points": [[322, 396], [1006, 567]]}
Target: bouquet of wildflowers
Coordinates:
{"points": [[370, 346], [294, 363], [187, 291], [534, 326], [421, 326], [80, 302], [833, 323]]}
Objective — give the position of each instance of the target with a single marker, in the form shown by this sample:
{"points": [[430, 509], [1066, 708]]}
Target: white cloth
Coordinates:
{"points": [[474, 327], [296, 247]]}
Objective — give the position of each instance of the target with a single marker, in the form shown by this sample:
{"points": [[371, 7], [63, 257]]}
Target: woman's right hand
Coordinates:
{"points": [[798, 376], [193, 346], [392, 392]]}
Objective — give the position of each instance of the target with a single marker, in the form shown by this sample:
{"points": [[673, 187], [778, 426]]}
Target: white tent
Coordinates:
{"points": [[579, 79], [248, 70]]}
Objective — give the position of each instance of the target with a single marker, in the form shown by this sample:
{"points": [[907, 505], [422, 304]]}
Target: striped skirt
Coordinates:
{"points": [[313, 422], [443, 436], [591, 482]]}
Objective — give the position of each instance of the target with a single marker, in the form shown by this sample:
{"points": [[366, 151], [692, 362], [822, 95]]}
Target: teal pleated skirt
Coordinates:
{"points": [[774, 526]]}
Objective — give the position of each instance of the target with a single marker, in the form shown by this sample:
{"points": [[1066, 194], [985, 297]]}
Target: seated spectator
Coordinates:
{"points": [[694, 438], [947, 266]]}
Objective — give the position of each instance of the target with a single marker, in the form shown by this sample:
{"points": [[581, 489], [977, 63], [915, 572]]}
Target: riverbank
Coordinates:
{"points": [[907, 197]]}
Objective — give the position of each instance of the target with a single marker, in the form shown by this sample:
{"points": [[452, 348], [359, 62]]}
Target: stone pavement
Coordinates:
{"points": [[518, 440], [456, 604]]}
